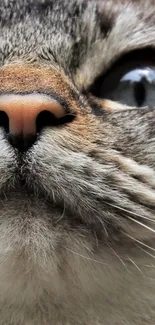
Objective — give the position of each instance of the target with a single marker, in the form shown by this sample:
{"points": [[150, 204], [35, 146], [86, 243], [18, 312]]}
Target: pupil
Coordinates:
{"points": [[139, 93]]}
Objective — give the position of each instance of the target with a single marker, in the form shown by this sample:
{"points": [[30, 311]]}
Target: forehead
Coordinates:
{"points": [[53, 28], [75, 35]]}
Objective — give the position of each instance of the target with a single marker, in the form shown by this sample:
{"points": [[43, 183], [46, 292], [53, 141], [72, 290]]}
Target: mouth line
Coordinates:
{"points": [[21, 143]]}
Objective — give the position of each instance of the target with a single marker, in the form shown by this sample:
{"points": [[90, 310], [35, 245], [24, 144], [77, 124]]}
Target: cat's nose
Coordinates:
{"points": [[23, 116]]}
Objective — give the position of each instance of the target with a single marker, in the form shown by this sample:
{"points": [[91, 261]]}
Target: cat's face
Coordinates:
{"points": [[77, 205]]}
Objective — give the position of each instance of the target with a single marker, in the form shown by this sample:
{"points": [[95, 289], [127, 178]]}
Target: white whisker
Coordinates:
{"points": [[103, 225], [137, 267], [131, 212], [141, 224], [138, 241], [119, 258], [96, 239], [85, 257], [146, 251], [150, 266], [62, 215]]}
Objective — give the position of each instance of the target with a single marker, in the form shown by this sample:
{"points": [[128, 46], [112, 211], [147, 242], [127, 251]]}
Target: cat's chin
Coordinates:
{"points": [[55, 194], [29, 215]]}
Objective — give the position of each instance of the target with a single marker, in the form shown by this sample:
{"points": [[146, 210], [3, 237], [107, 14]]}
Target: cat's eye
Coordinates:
{"points": [[135, 88], [131, 83]]}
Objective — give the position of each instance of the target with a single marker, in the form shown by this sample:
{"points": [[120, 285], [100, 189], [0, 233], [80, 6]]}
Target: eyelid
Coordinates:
{"points": [[112, 106], [128, 61]]}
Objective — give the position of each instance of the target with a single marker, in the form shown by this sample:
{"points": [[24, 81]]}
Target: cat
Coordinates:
{"points": [[77, 162]]}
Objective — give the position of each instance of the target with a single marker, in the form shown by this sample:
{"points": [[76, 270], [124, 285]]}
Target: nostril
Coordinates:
{"points": [[46, 118], [4, 121], [24, 116]]}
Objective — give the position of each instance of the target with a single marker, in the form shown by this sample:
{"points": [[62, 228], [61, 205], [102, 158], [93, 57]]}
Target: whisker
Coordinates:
{"points": [[146, 251], [137, 267], [96, 239], [138, 241], [130, 212], [85, 257], [62, 215], [141, 224], [150, 266], [119, 258], [103, 225]]}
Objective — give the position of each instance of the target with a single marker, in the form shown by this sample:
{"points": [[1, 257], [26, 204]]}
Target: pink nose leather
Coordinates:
{"points": [[22, 111]]}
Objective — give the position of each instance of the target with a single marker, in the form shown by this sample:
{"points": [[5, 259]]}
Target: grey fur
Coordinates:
{"points": [[77, 237]]}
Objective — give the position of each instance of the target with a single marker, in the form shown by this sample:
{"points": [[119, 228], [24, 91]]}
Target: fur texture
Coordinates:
{"points": [[77, 209]]}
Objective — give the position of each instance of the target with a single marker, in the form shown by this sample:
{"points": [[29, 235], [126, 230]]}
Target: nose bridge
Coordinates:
{"points": [[22, 99], [22, 111], [27, 78]]}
